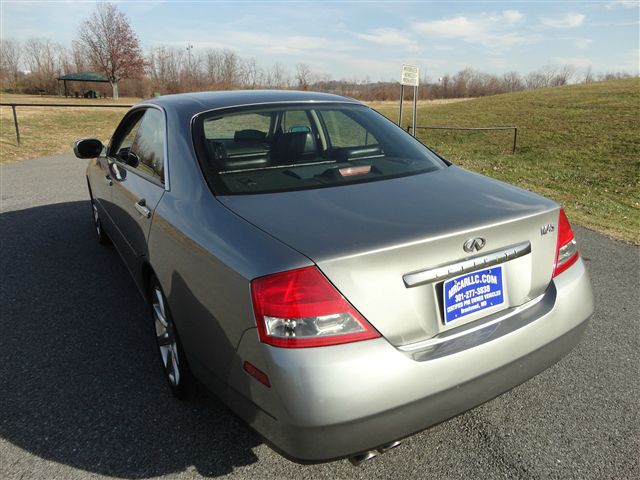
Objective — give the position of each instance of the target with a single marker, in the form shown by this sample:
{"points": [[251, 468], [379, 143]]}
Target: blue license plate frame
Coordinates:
{"points": [[471, 293]]}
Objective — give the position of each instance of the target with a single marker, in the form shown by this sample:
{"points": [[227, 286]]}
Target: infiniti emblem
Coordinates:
{"points": [[474, 244]]}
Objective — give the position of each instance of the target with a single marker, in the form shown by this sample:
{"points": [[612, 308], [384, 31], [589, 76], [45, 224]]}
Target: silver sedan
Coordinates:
{"points": [[335, 282]]}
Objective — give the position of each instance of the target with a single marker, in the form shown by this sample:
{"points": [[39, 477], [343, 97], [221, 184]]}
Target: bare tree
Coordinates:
{"points": [[613, 75], [42, 57], [230, 69], [535, 80], [66, 63], [447, 85], [222, 69], [588, 75], [303, 76], [563, 76], [512, 82], [10, 56], [165, 65], [80, 60], [277, 76], [213, 67], [549, 73], [111, 44], [461, 82], [250, 73], [191, 77]]}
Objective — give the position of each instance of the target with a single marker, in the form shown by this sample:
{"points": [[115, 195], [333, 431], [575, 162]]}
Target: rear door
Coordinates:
{"points": [[137, 163]]}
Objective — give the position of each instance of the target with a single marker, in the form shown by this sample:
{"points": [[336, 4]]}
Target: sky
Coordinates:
{"points": [[365, 40]]}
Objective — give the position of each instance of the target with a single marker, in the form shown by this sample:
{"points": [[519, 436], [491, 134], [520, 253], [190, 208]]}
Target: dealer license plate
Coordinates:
{"points": [[471, 293]]}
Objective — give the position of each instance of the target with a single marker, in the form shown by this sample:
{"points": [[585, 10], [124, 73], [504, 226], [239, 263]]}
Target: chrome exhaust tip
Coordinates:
{"points": [[359, 459], [389, 446]]}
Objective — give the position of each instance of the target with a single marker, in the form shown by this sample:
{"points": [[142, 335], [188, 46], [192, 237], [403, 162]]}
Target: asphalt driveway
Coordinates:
{"points": [[82, 394]]}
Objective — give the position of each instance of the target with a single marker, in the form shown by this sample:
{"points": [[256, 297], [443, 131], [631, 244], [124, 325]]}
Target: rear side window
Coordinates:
{"points": [[344, 131], [302, 146], [296, 121], [225, 128]]}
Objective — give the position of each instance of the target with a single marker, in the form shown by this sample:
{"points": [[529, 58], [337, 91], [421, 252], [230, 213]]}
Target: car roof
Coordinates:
{"points": [[203, 101]]}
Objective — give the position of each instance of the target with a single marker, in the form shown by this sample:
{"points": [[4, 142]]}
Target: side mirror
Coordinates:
{"points": [[87, 148], [132, 160]]}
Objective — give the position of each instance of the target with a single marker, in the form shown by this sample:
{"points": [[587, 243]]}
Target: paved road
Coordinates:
{"points": [[82, 395]]}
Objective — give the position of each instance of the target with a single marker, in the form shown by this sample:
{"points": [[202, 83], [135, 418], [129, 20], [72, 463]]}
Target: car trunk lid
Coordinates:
{"points": [[379, 242]]}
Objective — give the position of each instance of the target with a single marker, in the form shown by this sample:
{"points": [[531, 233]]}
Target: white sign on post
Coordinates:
{"points": [[409, 75]]}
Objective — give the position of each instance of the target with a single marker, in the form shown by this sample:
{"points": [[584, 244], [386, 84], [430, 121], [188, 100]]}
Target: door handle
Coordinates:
{"points": [[142, 208], [107, 180]]}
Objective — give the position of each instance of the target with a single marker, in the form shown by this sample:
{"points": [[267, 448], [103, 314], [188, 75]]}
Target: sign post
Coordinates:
{"points": [[409, 76], [401, 101]]}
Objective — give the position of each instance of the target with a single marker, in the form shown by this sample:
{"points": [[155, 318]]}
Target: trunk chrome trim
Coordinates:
{"points": [[474, 334], [444, 272]]}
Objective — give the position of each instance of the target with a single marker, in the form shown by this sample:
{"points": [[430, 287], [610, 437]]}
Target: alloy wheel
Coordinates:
{"points": [[166, 338], [96, 219]]}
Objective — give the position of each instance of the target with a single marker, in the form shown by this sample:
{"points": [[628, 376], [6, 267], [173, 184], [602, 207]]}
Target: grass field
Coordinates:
{"points": [[45, 131], [579, 144]]}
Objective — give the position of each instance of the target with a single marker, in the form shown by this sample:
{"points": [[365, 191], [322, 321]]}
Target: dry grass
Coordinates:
{"points": [[47, 131], [576, 144], [408, 104]]}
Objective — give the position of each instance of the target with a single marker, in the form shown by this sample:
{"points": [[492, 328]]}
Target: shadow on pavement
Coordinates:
{"points": [[79, 379]]}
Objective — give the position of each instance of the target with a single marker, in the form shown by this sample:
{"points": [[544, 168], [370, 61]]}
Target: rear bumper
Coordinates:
{"points": [[332, 402]]}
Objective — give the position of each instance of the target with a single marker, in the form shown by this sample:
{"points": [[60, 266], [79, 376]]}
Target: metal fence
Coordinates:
{"points": [[76, 105], [93, 105], [428, 127]]}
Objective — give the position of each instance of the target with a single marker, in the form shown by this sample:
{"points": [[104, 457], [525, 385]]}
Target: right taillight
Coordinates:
{"points": [[566, 248]]}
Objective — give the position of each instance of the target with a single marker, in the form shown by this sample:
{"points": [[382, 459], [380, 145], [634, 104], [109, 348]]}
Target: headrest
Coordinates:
{"points": [[249, 135], [290, 147]]}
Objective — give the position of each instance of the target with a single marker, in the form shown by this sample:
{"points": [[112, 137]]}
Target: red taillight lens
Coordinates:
{"points": [[566, 248], [300, 308]]}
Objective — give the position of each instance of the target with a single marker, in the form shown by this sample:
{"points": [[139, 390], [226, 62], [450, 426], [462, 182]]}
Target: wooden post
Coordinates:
{"points": [[15, 122]]}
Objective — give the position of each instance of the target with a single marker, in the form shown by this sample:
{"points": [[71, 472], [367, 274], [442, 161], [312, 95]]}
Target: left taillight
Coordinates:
{"points": [[301, 308], [566, 247]]}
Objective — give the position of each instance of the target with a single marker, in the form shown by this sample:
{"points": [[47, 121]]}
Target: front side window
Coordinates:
{"points": [[148, 145], [139, 143], [125, 135], [294, 147]]}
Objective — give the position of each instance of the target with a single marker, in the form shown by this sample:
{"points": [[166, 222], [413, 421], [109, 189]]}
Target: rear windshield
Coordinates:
{"points": [[296, 147]]}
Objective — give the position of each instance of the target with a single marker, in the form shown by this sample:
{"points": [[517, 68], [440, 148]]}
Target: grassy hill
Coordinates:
{"points": [[578, 144]]}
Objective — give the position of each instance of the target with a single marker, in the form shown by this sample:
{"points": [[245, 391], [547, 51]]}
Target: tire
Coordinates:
{"points": [[172, 357], [103, 238]]}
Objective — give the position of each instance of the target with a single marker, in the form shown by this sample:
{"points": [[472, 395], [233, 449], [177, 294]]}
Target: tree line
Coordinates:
{"points": [[107, 44]]}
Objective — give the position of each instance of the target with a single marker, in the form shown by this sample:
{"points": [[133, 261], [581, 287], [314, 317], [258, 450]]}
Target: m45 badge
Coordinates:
{"points": [[547, 229]]}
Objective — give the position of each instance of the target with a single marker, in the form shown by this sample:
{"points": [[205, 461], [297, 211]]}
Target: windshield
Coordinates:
{"points": [[295, 147]]}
